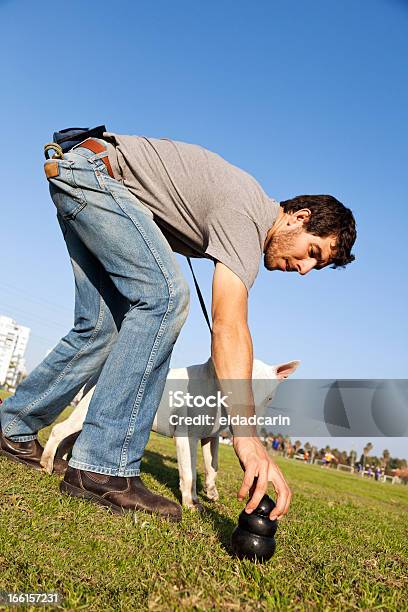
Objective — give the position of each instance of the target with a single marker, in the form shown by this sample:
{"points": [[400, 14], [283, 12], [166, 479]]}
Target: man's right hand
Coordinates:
{"points": [[259, 470]]}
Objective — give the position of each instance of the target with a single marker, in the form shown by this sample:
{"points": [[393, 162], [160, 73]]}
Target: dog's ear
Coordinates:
{"points": [[286, 369]]}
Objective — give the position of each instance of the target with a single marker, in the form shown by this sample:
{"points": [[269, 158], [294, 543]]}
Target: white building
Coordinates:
{"points": [[13, 343]]}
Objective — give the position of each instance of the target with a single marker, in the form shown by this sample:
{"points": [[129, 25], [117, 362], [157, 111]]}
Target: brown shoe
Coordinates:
{"points": [[121, 494], [28, 453]]}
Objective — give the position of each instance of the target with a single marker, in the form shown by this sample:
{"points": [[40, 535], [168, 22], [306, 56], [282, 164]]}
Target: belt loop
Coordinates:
{"points": [[97, 147]]}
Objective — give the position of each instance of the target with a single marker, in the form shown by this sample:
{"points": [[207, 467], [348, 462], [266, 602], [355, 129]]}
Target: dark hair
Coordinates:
{"points": [[329, 217]]}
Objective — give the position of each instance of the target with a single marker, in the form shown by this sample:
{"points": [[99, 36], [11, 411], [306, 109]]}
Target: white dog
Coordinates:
{"points": [[197, 380]]}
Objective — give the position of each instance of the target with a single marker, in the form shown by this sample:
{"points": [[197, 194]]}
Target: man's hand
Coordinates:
{"points": [[259, 470]]}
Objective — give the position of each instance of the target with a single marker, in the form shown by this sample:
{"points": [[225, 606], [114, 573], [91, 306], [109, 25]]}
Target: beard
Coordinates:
{"points": [[280, 246]]}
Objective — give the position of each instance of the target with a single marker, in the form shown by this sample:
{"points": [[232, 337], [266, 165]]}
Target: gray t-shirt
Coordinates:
{"points": [[205, 206]]}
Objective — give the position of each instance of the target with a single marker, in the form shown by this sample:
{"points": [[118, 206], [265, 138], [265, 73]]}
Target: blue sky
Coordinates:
{"points": [[309, 97]]}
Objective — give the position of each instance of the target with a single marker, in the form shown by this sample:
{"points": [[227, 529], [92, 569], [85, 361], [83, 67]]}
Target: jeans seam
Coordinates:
{"points": [[135, 409], [150, 363], [98, 326], [98, 170], [136, 406], [88, 467], [24, 438], [81, 195]]}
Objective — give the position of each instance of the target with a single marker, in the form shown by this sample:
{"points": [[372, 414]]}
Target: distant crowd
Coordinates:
{"points": [[367, 465]]}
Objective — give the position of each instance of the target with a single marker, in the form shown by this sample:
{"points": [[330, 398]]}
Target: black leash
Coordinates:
{"points": [[200, 296]]}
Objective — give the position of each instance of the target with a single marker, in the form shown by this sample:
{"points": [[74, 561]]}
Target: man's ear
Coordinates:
{"points": [[299, 217], [286, 369]]}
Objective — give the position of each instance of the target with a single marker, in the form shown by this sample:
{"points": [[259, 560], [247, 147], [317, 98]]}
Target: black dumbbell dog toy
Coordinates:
{"points": [[254, 536]]}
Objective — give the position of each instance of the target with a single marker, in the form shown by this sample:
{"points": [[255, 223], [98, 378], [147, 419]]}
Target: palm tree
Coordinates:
{"points": [[385, 458], [343, 457], [366, 451]]}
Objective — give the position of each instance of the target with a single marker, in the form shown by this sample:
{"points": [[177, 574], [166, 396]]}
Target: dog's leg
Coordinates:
{"points": [[209, 447], [187, 466], [62, 430]]}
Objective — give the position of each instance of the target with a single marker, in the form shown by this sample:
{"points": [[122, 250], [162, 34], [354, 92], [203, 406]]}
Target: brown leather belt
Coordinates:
{"points": [[96, 147]]}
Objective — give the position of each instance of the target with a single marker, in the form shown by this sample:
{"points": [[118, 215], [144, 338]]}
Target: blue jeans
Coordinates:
{"points": [[131, 301]]}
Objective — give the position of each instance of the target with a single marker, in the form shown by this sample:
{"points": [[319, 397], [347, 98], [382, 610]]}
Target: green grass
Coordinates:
{"points": [[342, 547]]}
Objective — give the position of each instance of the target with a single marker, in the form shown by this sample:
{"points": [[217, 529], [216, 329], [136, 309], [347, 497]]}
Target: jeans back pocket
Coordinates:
{"points": [[68, 197]]}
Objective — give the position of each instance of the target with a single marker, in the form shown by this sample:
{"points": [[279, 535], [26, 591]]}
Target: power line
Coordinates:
{"points": [[53, 305], [9, 311]]}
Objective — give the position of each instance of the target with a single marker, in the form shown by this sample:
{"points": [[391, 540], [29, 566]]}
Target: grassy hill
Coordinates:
{"points": [[342, 547]]}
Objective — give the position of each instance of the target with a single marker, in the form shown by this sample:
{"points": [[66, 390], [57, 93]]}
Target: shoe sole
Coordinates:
{"points": [[16, 459], [69, 489], [33, 466]]}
